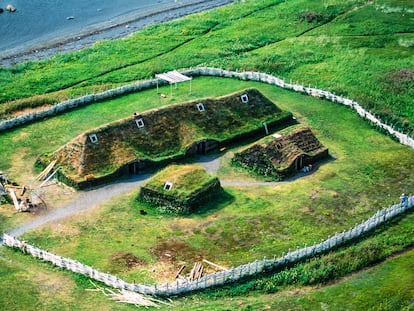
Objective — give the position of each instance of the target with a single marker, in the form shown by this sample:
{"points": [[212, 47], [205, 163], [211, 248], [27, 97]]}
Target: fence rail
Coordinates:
{"points": [[181, 286], [206, 71]]}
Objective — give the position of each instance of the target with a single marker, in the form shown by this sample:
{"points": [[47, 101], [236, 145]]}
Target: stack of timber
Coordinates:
{"points": [[196, 272], [46, 171], [20, 204], [23, 198], [125, 296]]}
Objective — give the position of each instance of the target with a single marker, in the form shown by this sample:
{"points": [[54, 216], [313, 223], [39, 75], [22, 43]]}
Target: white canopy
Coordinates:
{"points": [[172, 77]]}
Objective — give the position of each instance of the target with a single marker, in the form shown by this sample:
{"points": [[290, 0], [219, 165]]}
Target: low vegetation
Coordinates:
{"points": [[360, 49], [181, 189], [371, 40]]}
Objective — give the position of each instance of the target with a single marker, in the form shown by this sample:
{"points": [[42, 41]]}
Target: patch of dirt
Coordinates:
{"points": [[174, 251], [400, 82], [127, 260], [312, 16]]}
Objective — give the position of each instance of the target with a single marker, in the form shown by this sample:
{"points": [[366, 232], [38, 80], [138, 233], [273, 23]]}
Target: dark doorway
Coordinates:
{"points": [[133, 168], [201, 147], [299, 163]]}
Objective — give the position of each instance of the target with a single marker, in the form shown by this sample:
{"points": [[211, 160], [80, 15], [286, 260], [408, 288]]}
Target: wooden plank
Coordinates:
{"points": [[51, 175], [46, 171], [15, 202], [179, 271], [215, 265], [200, 272]]}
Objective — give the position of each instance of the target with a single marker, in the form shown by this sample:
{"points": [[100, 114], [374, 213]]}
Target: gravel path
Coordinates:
{"points": [[91, 198], [87, 200]]}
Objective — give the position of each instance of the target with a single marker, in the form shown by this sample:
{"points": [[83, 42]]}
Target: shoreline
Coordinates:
{"points": [[119, 27]]}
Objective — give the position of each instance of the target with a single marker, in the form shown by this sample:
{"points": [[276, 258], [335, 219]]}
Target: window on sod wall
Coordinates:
{"points": [[140, 123], [200, 107], [244, 98], [93, 138], [168, 185]]}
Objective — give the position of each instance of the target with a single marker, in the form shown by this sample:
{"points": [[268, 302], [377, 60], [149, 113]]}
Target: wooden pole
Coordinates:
{"points": [[46, 171], [214, 265], [53, 174], [15, 202], [179, 271]]}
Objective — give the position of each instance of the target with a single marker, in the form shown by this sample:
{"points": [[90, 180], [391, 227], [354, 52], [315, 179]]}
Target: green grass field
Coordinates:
{"points": [[371, 40], [250, 222], [359, 49]]}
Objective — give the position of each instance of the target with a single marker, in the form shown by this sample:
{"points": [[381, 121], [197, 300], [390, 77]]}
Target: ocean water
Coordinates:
{"points": [[38, 23]]}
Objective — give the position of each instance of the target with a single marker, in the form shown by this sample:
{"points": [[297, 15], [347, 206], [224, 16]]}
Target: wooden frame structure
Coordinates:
{"points": [[173, 77]]}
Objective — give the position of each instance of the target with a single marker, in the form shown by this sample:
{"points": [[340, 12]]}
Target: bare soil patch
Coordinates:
{"points": [[128, 260]]}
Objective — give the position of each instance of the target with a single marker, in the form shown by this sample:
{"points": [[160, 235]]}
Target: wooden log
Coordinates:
{"points": [[191, 276], [200, 272], [14, 198], [47, 179], [194, 272], [179, 271], [215, 265], [46, 171], [8, 186]]}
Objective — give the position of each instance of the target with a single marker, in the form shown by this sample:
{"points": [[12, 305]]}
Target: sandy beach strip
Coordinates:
{"points": [[116, 28]]}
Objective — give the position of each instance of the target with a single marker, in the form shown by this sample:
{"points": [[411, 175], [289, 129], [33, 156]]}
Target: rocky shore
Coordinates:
{"points": [[121, 27]]}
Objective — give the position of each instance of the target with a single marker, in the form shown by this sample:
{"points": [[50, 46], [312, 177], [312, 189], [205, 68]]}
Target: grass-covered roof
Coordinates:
{"points": [[164, 133]]}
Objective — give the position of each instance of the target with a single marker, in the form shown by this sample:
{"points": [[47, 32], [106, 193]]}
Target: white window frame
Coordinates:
{"points": [[140, 123], [168, 185], [244, 98], [93, 138], [200, 107]]}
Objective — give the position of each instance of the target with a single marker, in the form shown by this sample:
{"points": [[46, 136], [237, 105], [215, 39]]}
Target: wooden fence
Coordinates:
{"points": [[206, 71], [182, 286]]}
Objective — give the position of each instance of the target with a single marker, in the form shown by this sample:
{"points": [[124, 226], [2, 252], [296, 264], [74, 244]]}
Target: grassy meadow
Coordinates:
{"points": [[361, 49]]}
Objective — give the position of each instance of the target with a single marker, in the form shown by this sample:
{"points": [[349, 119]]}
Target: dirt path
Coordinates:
{"points": [[85, 201], [91, 198]]}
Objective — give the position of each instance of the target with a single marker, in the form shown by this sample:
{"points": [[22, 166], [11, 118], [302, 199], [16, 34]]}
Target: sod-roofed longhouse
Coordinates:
{"points": [[164, 134], [284, 155], [180, 189]]}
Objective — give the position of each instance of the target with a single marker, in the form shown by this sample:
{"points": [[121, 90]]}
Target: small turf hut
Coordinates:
{"points": [[284, 155], [180, 189]]}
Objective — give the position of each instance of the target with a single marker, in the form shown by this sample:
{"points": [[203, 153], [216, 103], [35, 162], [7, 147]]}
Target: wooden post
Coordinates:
{"points": [[179, 271], [266, 129]]}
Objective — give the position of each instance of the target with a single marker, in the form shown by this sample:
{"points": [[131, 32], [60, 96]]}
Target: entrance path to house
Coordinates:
{"points": [[86, 200], [93, 197]]}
